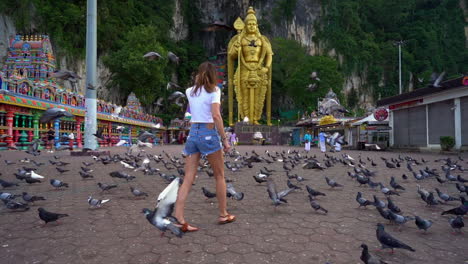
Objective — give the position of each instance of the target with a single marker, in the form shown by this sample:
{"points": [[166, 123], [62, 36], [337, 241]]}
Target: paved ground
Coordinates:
{"points": [[119, 233]]}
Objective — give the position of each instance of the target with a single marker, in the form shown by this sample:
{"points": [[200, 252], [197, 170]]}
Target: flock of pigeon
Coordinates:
{"points": [[136, 164]]}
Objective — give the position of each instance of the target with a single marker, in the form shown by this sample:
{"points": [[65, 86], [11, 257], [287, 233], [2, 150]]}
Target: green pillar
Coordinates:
{"points": [[23, 124], [36, 125], [30, 121], [16, 120]]}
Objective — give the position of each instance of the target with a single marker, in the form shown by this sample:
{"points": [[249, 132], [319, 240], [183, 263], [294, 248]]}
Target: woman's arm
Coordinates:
{"points": [[218, 120]]}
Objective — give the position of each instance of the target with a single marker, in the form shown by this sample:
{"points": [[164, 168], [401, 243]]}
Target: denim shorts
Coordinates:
{"points": [[202, 140]]}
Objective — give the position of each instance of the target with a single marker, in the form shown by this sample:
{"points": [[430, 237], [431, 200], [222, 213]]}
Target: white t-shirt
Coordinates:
{"points": [[200, 104]]}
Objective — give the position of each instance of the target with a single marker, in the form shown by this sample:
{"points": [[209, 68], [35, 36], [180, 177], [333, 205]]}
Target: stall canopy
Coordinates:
{"points": [[370, 119]]}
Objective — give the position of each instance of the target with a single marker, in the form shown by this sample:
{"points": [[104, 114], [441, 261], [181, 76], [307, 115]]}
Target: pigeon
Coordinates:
{"points": [[106, 187], [34, 175], [387, 191], [33, 149], [61, 170], [460, 210], [161, 216], [14, 205], [57, 183], [122, 175], [6, 184], [332, 183], [152, 55], [291, 185], [367, 258], [32, 198], [260, 178], [362, 201], [423, 223], [378, 203], [457, 223], [315, 205], [96, 202], [274, 195], [207, 193], [392, 206], [445, 197], [398, 219], [390, 165], [231, 192], [4, 196], [387, 241], [99, 134], [145, 135], [65, 75], [138, 193], [54, 113], [49, 216], [313, 192], [395, 185], [173, 58]]}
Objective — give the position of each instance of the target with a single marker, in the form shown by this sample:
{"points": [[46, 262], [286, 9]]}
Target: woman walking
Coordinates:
{"points": [[207, 126], [307, 140]]}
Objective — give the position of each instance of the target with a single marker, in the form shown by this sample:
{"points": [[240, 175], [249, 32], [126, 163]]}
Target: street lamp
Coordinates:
{"points": [[91, 65], [399, 44]]}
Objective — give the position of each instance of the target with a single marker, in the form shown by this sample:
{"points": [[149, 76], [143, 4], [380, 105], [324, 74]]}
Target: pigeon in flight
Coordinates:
{"points": [[161, 216], [54, 113], [173, 58], [231, 192], [152, 55], [276, 197]]}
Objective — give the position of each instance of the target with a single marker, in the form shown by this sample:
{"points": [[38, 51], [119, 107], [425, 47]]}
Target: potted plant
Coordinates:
{"points": [[447, 143]]}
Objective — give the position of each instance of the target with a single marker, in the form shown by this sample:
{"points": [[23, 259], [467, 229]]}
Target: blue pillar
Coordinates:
{"points": [[57, 133]]}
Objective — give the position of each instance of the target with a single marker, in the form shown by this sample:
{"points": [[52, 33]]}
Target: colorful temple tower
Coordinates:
{"points": [[27, 88]]}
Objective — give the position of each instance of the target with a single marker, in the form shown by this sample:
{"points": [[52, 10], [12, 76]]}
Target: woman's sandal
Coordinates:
{"points": [[229, 219], [185, 227]]}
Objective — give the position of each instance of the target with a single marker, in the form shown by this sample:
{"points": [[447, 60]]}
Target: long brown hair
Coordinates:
{"points": [[206, 78]]}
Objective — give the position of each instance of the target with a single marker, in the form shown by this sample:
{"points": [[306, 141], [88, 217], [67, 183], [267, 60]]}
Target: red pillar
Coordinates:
{"points": [[78, 132], [9, 121], [109, 133]]}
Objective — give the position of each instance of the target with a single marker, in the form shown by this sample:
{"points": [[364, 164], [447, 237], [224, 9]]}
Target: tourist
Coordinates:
{"points": [[323, 148], [307, 140], [71, 139], [233, 139], [50, 139], [204, 139]]}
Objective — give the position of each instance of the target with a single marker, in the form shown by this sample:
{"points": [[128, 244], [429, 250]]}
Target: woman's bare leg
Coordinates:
{"points": [[191, 164], [217, 164]]}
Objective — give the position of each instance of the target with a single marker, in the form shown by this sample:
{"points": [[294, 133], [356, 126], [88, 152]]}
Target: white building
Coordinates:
{"points": [[419, 118]]}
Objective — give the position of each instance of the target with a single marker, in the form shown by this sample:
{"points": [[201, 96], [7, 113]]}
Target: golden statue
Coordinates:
{"points": [[252, 78]]}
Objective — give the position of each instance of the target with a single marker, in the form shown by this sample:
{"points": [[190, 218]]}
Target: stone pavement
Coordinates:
{"points": [[119, 233]]}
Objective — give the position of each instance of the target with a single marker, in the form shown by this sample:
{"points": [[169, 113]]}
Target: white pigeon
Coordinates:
{"points": [[144, 144], [36, 176], [146, 161], [246, 119], [158, 125], [126, 165], [121, 143]]}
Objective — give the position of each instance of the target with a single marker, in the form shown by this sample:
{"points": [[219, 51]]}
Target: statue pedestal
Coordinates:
{"points": [[245, 133]]}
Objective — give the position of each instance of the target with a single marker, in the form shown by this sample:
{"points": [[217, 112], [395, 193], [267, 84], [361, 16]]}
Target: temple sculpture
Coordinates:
{"points": [[250, 54]]}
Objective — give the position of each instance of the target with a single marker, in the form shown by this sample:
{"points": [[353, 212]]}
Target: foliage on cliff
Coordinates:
{"points": [[126, 31], [364, 32]]}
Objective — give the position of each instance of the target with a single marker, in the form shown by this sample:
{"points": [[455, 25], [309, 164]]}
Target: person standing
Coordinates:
{"points": [[204, 139], [307, 140], [71, 139], [323, 147], [50, 139], [233, 139]]}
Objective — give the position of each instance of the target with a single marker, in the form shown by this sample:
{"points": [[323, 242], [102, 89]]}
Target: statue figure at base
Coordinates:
{"points": [[252, 77]]}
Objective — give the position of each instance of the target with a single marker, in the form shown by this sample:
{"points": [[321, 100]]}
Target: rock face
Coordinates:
{"points": [[299, 27]]}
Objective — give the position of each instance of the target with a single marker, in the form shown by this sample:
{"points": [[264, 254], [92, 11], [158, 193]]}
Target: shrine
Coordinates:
{"points": [[27, 88]]}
